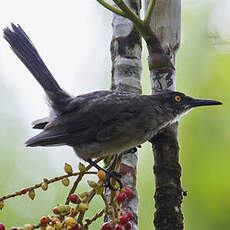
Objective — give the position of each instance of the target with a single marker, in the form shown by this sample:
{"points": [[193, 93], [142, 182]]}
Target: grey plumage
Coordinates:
{"points": [[99, 123], [107, 123]]}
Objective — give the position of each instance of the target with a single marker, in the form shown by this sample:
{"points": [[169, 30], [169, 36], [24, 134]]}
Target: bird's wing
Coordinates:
{"points": [[97, 120], [80, 131]]}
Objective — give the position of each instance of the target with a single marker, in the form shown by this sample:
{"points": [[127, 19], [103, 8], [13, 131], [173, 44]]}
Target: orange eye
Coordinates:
{"points": [[177, 98]]}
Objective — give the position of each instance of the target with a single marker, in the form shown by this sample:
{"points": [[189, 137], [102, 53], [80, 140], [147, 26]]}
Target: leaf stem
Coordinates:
{"points": [[149, 11], [89, 221], [129, 13], [112, 8]]}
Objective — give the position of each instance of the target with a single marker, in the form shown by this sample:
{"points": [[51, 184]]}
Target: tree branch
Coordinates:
{"points": [[161, 31]]}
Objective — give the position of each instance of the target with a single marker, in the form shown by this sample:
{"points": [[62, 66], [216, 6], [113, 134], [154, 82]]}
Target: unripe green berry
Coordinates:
{"points": [[63, 208], [31, 194], [68, 168], [57, 223], [83, 207], [70, 221], [44, 186], [1, 204], [45, 180], [50, 228], [73, 211], [92, 184], [81, 167], [65, 181], [101, 175], [27, 227], [83, 195]]}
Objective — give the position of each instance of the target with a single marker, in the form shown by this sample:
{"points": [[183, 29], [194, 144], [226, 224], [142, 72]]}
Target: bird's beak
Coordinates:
{"points": [[203, 102]]}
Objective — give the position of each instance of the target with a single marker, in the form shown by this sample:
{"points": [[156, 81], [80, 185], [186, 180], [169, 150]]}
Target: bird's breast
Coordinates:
{"points": [[114, 146]]}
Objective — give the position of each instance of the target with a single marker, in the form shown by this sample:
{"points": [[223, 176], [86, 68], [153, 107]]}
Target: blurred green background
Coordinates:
{"points": [[203, 67]]}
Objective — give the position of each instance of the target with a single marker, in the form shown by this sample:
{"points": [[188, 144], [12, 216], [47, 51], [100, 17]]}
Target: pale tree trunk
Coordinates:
{"points": [[165, 23], [126, 51]]}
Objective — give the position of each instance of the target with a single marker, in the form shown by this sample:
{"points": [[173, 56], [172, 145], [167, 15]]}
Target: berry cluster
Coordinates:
{"points": [[123, 220], [123, 195], [67, 222], [71, 215]]}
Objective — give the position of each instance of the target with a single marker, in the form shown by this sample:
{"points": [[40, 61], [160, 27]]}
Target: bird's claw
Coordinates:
{"points": [[117, 176]]}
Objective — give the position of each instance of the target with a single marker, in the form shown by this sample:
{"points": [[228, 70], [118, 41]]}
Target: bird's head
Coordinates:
{"points": [[179, 103]]}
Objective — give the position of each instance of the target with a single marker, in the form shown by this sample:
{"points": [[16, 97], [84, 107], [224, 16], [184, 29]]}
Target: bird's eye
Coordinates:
{"points": [[177, 98]]}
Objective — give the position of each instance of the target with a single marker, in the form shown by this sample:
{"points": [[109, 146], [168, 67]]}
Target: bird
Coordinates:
{"points": [[101, 123]]}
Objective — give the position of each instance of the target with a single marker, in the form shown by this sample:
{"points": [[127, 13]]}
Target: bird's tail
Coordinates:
{"points": [[27, 53]]}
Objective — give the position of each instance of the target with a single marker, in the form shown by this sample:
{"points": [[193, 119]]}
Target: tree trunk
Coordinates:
{"points": [[165, 23]]}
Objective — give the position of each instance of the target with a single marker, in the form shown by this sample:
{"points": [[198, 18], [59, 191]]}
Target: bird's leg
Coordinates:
{"points": [[111, 166], [114, 174]]}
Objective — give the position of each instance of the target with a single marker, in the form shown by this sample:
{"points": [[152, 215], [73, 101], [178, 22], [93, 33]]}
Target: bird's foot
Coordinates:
{"points": [[109, 174], [117, 176]]}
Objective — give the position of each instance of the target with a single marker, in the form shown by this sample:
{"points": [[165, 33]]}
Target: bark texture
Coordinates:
{"points": [[126, 51], [165, 23]]}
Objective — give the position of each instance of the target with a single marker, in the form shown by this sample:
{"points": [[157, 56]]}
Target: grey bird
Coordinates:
{"points": [[100, 123]]}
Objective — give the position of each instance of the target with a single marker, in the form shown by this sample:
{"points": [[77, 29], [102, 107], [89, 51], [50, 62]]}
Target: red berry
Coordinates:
{"points": [[121, 197], [106, 226], [23, 191], [55, 210], [76, 227], [73, 198], [129, 215], [54, 221], [118, 227], [44, 220], [128, 226], [128, 192], [123, 219], [2, 226]]}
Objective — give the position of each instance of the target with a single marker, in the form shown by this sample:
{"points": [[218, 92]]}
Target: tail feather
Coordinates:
{"points": [[27, 53], [41, 123]]}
